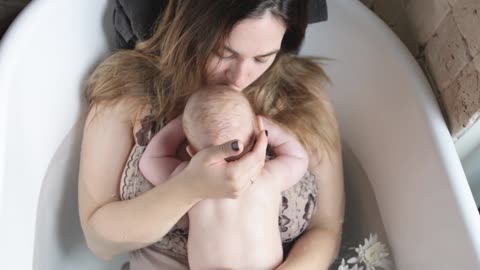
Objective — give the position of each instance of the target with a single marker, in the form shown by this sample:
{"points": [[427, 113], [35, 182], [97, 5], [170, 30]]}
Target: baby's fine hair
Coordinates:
{"points": [[219, 113]]}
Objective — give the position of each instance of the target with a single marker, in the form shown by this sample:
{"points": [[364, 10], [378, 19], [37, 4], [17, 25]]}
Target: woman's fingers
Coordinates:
{"points": [[219, 153], [252, 162], [229, 179]]}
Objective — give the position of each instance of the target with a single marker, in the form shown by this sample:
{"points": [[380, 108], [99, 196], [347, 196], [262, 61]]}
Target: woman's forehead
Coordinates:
{"points": [[253, 37]]}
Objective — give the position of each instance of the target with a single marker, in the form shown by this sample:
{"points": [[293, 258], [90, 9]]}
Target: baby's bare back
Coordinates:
{"points": [[237, 233]]}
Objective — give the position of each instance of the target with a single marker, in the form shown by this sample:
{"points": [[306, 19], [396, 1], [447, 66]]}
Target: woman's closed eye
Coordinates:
{"points": [[230, 55], [226, 55], [262, 59]]}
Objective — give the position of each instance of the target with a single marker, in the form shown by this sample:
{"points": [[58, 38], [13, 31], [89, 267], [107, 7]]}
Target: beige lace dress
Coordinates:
{"points": [[296, 209]]}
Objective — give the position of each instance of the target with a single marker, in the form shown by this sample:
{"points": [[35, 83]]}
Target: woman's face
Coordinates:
{"points": [[248, 52]]}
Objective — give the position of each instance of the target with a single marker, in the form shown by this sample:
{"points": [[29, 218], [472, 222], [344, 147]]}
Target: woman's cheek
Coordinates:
{"points": [[216, 72], [262, 70]]}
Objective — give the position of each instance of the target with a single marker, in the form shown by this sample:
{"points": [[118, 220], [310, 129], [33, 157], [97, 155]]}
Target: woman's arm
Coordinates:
{"points": [[318, 247], [112, 226]]}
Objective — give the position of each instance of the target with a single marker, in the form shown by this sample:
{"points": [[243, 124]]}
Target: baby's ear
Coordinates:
{"points": [[190, 150]]}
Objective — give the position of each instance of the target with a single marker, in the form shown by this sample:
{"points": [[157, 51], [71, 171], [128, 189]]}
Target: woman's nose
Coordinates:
{"points": [[238, 75]]}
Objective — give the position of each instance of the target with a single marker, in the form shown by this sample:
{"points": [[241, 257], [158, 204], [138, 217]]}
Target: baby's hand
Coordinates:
{"points": [[276, 135], [160, 156], [291, 159]]}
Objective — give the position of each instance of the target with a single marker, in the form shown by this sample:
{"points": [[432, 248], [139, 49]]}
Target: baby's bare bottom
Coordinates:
{"points": [[236, 234]]}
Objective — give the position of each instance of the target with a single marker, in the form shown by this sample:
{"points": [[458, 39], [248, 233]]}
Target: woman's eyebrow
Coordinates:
{"points": [[263, 55]]}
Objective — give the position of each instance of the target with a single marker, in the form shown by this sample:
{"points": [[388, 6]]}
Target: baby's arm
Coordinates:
{"points": [[291, 159], [159, 159]]}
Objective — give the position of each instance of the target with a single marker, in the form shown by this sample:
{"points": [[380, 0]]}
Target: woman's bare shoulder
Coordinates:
{"points": [[128, 110]]}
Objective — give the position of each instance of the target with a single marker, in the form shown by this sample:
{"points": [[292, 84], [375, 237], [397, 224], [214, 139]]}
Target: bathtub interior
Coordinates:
{"points": [[59, 242], [397, 147], [389, 117]]}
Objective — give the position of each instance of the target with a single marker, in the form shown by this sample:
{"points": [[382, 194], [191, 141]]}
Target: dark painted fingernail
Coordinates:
{"points": [[235, 146], [266, 132]]}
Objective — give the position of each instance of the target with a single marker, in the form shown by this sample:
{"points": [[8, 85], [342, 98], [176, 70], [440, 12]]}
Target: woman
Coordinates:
{"points": [[248, 45]]}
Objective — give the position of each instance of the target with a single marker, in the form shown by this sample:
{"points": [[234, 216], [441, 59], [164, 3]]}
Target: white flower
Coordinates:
{"points": [[344, 266], [373, 254], [356, 267]]}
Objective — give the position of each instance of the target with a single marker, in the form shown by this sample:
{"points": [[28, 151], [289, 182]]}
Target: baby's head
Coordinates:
{"points": [[217, 114]]}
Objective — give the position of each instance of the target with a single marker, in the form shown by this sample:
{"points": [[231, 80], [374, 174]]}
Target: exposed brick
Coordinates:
{"points": [[462, 100], [446, 53], [367, 3], [388, 10], [426, 16], [438, 96], [452, 2], [467, 16], [403, 29], [476, 62]]}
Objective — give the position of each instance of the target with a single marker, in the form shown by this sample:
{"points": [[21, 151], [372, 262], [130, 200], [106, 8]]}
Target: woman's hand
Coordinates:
{"points": [[213, 177]]}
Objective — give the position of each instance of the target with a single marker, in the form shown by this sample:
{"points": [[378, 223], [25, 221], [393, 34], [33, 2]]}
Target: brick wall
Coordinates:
{"points": [[9, 9], [444, 36]]}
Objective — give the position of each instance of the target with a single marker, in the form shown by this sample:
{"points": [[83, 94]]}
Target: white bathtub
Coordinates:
{"points": [[407, 183]]}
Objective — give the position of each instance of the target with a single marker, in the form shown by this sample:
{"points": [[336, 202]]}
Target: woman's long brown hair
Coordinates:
{"points": [[164, 70]]}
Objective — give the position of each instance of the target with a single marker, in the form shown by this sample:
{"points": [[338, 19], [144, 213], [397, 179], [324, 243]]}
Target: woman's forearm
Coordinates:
{"points": [[123, 226], [315, 250]]}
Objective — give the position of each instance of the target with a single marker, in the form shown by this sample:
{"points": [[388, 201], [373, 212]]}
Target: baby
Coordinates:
{"points": [[238, 233]]}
